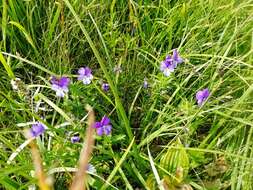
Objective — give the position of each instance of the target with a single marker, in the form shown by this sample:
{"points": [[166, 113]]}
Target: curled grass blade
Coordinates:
{"points": [[26, 34]]}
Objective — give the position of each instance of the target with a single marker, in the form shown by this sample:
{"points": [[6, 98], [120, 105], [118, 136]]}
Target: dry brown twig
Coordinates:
{"points": [[37, 162], [80, 180]]}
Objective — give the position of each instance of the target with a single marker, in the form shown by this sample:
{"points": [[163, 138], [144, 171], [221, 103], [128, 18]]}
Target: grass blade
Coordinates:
{"points": [[30, 63], [4, 22], [155, 172], [26, 34], [59, 110], [116, 168], [53, 24], [7, 66]]}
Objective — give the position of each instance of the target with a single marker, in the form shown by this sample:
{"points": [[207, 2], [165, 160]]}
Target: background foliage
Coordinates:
{"points": [[44, 38]]}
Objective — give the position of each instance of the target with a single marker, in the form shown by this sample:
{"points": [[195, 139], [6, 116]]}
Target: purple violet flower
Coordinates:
{"points": [[75, 139], [202, 95], [103, 127], [170, 63], [60, 85], [85, 75], [37, 129], [167, 66], [105, 87], [91, 169], [176, 58]]}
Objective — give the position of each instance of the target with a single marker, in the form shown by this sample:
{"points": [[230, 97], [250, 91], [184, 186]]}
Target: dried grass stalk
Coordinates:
{"points": [[37, 162], [80, 179]]}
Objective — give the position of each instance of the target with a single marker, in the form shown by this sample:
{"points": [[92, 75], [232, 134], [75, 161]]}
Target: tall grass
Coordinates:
{"points": [[153, 128]]}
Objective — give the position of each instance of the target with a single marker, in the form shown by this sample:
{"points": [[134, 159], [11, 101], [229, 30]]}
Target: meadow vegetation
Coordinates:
{"points": [[161, 136]]}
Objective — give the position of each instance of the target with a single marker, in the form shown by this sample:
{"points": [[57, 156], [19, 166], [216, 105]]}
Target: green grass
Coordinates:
{"points": [[154, 128]]}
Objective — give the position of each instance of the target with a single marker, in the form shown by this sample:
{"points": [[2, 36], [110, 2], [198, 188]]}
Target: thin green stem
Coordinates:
{"points": [[118, 103]]}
